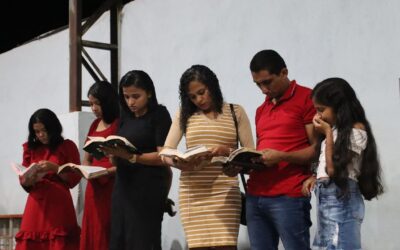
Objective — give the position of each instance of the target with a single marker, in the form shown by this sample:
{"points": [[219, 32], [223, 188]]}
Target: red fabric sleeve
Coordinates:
{"points": [[72, 155], [309, 110], [26, 162], [26, 155]]}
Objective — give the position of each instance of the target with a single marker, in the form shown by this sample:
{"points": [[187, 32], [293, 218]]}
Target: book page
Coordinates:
{"points": [[219, 159], [18, 169], [244, 154], [90, 172], [169, 152], [66, 167], [95, 138], [27, 172], [190, 152], [197, 150], [91, 169]]}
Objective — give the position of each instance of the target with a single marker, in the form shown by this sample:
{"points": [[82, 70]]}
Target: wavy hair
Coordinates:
{"points": [[206, 76], [108, 98], [340, 96], [52, 125]]}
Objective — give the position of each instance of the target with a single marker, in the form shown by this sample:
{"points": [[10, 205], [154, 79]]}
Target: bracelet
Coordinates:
{"points": [[133, 158]]}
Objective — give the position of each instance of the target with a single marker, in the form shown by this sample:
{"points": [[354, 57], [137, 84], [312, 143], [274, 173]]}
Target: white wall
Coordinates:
{"points": [[357, 40]]}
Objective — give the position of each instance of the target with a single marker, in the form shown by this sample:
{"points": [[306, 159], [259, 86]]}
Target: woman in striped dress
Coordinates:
{"points": [[209, 201]]}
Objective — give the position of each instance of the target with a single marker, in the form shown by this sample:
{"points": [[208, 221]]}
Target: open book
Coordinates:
{"points": [[242, 157], [185, 155], [94, 144], [88, 172], [27, 172]]}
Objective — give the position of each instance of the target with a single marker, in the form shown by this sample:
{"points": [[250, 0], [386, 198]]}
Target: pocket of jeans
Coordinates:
{"points": [[328, 193], [357, 208]]}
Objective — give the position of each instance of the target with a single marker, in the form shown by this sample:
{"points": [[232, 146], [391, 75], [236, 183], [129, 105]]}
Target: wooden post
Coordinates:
{"points": [[75, 63]]}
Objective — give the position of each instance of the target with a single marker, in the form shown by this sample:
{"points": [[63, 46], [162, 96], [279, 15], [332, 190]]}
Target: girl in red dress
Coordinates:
{"points": [[96, 222], [49, 220]]}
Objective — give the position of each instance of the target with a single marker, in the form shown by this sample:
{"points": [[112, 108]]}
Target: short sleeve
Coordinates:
{"points": [[162, 125], [259, 111], [358, 140], [175, 133], [309, 110]]}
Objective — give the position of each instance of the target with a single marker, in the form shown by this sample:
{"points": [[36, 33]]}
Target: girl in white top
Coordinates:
{"points": [[348, 169]]}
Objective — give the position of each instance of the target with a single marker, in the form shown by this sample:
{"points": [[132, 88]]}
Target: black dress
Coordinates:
{"points": [[140, 191]]}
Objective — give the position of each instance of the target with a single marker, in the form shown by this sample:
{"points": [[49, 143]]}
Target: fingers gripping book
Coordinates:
{"points": [[28, 172], [243, 157]]}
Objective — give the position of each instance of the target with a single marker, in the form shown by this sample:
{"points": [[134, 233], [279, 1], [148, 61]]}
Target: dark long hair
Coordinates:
{"points": [[52, 125], [340, 96], [108, 98], [138, 79], [204, 75]]}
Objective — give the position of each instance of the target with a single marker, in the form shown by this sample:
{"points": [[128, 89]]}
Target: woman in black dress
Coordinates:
{"points": [[142, 182]]}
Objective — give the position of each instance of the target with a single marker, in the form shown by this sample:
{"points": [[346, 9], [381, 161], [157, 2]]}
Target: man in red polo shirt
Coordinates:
{"points": [[275, 205]]}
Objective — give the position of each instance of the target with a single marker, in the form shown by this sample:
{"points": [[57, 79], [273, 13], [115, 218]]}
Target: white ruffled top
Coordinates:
{"points": [[358, 143]]}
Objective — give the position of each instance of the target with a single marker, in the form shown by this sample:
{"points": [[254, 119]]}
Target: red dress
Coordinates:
{"points": [[49, 220], [96, 220]]}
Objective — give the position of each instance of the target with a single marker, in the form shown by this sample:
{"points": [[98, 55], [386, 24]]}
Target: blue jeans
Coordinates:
{"points": [[271, 218], [339, 219]]}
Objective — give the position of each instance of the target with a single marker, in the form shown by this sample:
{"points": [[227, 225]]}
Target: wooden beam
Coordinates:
{"points": [[92, 66], [97, 14], [75, 66], [115, 13], [99, 45]]}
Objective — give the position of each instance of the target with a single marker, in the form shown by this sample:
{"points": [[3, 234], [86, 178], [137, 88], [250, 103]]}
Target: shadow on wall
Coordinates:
{"points": [[176, 245]]}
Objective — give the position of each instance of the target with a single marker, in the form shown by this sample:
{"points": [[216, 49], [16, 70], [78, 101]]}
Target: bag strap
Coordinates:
{"points": [[237, 143]]}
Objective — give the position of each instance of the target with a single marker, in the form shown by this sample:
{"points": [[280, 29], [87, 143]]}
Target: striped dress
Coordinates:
{"points": [[209, 201]]}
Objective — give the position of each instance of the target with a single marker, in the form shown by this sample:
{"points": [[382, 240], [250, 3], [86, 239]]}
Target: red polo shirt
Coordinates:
{"points": [[281, 126]]}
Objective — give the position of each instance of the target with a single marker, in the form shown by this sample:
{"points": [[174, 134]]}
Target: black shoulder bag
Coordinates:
{"points": [[242, 195]]}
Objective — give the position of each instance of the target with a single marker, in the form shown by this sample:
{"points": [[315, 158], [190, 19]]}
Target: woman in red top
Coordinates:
{"points": [[96, 222], [49, 220]]}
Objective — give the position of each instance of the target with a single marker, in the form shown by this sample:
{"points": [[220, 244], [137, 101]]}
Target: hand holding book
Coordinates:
{"points": [[28, 175], [240, 160], [116, 145], [187, 155], [192, 159], [35, 172]]}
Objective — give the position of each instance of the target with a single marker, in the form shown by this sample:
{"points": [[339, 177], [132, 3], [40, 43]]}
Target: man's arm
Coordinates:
{"points": [[303, 156]]}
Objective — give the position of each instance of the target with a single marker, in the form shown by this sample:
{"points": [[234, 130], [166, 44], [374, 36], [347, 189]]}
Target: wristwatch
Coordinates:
{"points": [[132, 159]]}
